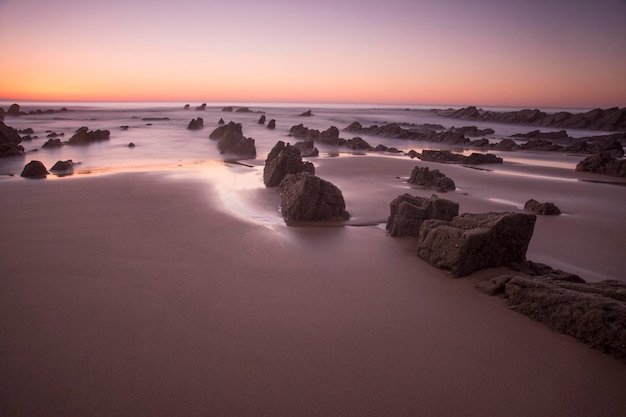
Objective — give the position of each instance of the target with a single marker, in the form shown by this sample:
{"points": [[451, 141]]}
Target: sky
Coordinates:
{"points": [[557, 53]]}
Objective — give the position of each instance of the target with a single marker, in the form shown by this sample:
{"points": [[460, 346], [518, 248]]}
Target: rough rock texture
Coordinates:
{"points": [[536, 134], [63, 165], [231, 140], [358, 143], [271, 124], [546, 209], [329, 136], [594, 313], [471, 242], [196, 124], [201, 107], [84, 136], [10, 141], [281, 161], [434, 179], [407, 213], [603, 163], [307, 148], [306, 197], [262, 120], [34, 169], [455, 158], [52, 143]]}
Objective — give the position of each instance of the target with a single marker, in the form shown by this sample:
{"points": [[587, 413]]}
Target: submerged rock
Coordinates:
{"points": [[231, 140], [409, 212], [10, 141], [546, 209], [428, 179], [196, 124], [84, 136]]}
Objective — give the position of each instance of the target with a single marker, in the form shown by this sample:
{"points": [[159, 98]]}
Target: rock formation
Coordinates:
{"points": [[52, 143], [428, 179], [84, 136], [454, 158], [603, 163], [262, 120], [546, 209], [307, 148], [10, 141], [408, 213], [231, 140], [281, 161], [307, 113], [358, 143], [34, 169], [196, 124], [471, 242], [271, 124], [306, 197], [201, 107], [63, 166]]}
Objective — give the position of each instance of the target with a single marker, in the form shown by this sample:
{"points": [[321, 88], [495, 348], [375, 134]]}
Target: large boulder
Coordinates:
{"points": [[471, 242], [545, 209], [306, 197], [409, 212], [14, 110], [434, 179], [196, 124], [10, 141], [84, 136], [593, 313], [34, 169], [231, 140], [282, 160], [603, 163]]}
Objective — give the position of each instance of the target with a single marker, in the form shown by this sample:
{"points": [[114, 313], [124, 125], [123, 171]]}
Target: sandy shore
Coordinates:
{"points": [[144, 294]]}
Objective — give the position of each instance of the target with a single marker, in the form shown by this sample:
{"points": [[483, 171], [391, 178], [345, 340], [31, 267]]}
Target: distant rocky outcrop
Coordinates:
{"points": [[63, 166], [471, 242], [52, 143], [186, 107], [307, 148], [10, 141], [428, 179], [593, 313], [243, 110], [271, 124], [536, 134], [16, 110], [409, 212], [196, 124], [604, 163], [358, 143], [282, 160], [306, 197], [383, 148], [454, 158], [34, 169], [597, 119], [545, 209], [84, 136], [262, 120], [227, 109], [329, 136], [232, 141], [413, 132], [307, 113], [201, 107]]}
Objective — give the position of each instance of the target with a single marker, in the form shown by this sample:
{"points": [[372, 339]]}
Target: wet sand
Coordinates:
{"points": [[144, 294]]}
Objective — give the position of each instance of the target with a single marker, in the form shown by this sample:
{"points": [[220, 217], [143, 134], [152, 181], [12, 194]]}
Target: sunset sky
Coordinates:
{"points": [[560, 53]]}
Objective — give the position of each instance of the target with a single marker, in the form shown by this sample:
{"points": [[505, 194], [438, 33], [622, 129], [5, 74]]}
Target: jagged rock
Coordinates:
{"points": [[358, 143], [454, 158], [271, 124], [383, 148], [2, 113], [593, 313], [541, 145], [536, 134], [52, 143], [227, 108], [262, 120], [307, 148], [471, 242], [597, 144], [201, 107], [10, 141], [307, 113], [413, 154], [408, 213], [220, 122], [480, 142], [84, 136], [34, 169], [603, 163], [473, 131], [196, 124], [546, 209], [54, 135], [14, 110], [482, 158], [505, 145], [63, 166], [243, 110], [186, 107], [281, 161], [434, 179], [306, 197], [231, 140]]}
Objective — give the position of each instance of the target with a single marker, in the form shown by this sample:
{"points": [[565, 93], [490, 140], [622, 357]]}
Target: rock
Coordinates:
{"points": [[428, 179], [541, 145], [306, 197], [473, 131], [307, 148], [414, 154], [358, 143], [547, 209], [196, 124], [227, 108], [131, 145], [271, 124], [52, 143], [201, 107], [231, 140], [34, 169], [186, 107], [536, 134], [408, 213], [281, 161], [262, 120], [603, 163], [505, 145], [10, 141], [54, 135], [593, 313], [14, 110], [155, 119], [307, 113], [471, 242], [454, 158], [63, 166], [84, 136], [220, 122], [27, 131], [124, 128], [481, 158]]}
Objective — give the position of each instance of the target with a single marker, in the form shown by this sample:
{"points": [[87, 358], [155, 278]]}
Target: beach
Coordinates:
{"points": [[182, 292]]}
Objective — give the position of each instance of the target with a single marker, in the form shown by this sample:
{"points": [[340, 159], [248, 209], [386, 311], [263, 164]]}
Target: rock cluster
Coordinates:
{"points": [[16, 110], [428, 179], [283, 160], [84, 136], [307, 148], [10, 141], [415, 132], [597, 119], [593, 313], [196, 124], [454, 158], [232, 141], [329, 136], [604, 163], [471, 242], [306, 197], [545, 209], [34, 169], [409, 212]]}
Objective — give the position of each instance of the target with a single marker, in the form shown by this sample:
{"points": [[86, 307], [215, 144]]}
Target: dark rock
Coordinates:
{"points": [[541, 145], [27, 131], [408, 213], [124, 127], [428, 179], [281, 161], [84, 136], [307, 113], [414, 154], [306, 197], [480, 142], [131, 145], [473, 131], [186, 107], [52, 143], [34, 169], [196, 124], [243, 110], [271, 124], [480, 158], [358, 143], [54, 135], [201, 107], [547, 209], [471, 242], [227, 108], [603, 163], [536, 134], [231, 140], [220, 122], [63, 166], [10, 141], [307, 148], [262, 120], [14, 110], [505, 145], [593, 313], [454, 158]]}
